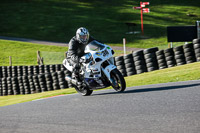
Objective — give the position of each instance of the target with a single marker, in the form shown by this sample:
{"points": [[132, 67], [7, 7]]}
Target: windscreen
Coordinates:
{"points": [[95, 46]]}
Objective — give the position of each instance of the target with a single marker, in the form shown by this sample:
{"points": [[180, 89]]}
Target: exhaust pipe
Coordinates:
{"points": [[69, 79]]}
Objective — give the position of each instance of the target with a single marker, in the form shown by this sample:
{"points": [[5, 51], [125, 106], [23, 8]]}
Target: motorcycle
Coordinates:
{"points": [[97, 70]]}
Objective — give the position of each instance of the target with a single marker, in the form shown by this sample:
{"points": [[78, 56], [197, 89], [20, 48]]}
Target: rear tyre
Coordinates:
{"points": [[118, 82], [84, 91]]}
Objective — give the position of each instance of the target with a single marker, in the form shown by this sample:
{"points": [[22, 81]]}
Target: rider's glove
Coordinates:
{"points": [[81, 60], [84, 60]]}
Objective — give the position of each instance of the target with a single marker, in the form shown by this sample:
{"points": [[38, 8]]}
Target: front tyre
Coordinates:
{"points": [[84, 91], [117, 80]]}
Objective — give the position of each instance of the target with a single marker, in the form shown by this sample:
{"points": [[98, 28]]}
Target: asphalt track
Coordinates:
{"points": [[160, 108]]}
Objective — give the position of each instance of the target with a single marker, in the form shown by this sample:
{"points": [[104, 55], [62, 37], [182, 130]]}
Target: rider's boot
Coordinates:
{"points": [[76, 77]]}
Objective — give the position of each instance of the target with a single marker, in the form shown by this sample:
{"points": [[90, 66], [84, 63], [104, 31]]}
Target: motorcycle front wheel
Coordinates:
{"points": [[84, 91], [117, 80]]}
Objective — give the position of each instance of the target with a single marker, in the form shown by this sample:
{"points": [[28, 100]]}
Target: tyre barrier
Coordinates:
{"points": [[161, 59], [16, 80], [119, 62], [197, 51], [33, 83], [139, 61], [169, 57], [150, 59], [15, 71], [189, 53], [179, 55], [153, 59], [129, 65], [196, 43]]}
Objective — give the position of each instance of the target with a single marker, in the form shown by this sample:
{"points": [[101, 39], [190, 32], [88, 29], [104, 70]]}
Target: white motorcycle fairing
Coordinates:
{"points": [[96, 69]]}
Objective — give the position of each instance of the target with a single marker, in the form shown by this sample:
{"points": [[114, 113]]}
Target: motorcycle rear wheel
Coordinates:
{"points": [[85, 91], [118, 82]]}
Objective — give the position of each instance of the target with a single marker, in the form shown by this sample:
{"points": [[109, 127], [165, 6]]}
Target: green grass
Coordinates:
{"points": [[57, 20], [14, 99], [24, 53], [173, 74]]}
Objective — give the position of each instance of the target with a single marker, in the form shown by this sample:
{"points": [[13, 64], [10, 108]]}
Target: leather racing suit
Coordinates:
{"points": [[75, 51]]}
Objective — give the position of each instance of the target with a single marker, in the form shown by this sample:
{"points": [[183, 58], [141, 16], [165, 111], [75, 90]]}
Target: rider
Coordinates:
{"points": [[76, 49]]}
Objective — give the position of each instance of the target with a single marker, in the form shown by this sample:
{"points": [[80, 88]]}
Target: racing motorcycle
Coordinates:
{"points": [[97, 70]]}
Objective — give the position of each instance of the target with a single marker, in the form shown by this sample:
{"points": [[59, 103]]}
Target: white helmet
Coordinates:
{"points": [[82, 35]]}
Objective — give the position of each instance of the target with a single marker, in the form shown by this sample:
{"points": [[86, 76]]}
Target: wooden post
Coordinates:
{"points": [[42, 61], [10, 60], [38, 62], [39, 59]]}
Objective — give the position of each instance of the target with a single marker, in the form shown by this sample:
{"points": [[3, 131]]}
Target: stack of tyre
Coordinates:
{"points": [[4, 90], [162, 64], [25, 70], [68, 73], [189, 53], [139, 61], [9, 71], [41, 69], [14, 71], [196, 43], [129, 64], [3, 73], [179, 55], [35, 70], [150, 59], [169, 57], [61, 80], [31, 79], [36, 83], [55, 81], [30, 70], [46, 68], [119, 62], [9, 86], [49, 81], [25, 79], [1, 76], [19, 71], [26, 86], [31, 84], [42, 82], [20, 84], [15, 86], [1, 89]]}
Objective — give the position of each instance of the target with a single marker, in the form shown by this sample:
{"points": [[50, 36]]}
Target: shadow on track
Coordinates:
{"points": [[163, 88]]}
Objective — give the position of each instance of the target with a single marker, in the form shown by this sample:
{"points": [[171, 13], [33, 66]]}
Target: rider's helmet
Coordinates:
{"points": [[82, 35]]}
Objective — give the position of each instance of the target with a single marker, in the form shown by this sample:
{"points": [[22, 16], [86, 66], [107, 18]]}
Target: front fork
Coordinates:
{"points": [[107, 70]]}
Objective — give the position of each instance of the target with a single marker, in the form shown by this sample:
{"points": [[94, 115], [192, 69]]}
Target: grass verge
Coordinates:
{"points": [[58, 20], [24, 53], [173, 74]]}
